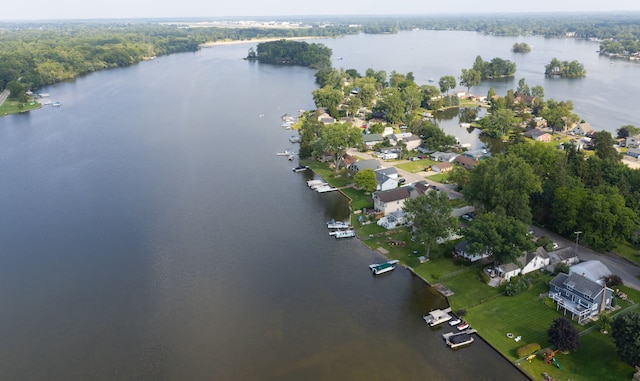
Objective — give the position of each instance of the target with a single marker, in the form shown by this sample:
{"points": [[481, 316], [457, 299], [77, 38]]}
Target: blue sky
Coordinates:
{"points": [[81, 9]]}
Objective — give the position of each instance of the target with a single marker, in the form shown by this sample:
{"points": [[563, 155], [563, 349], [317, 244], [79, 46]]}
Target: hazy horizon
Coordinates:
{"points": [[121, 9]]}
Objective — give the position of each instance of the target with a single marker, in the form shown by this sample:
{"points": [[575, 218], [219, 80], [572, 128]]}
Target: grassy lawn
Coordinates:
{"points": [[416, 166], [440, 178], [14, 107], [359, 198], [337, 179], [629, 252], [595, 359]]}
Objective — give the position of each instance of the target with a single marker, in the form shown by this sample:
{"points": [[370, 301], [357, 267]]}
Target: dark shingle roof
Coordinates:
{"points": [[394, 194], [578, 283]]}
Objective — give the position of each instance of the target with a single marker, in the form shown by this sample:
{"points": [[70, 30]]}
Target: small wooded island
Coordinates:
{"points": [[521, 47], [564, 68], [286, 52]]}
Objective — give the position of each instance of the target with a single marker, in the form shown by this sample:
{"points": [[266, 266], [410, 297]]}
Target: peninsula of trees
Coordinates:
{"points": [[287, 52]]}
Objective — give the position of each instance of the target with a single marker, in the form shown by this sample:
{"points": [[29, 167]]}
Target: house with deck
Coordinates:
{"points": [[579, 296]]}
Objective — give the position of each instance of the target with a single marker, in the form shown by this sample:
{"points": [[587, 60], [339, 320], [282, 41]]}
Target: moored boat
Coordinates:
{"points": [[381, 268], [345, 233], [436, 317], [338, 224], [301, 168], [459, 339]]}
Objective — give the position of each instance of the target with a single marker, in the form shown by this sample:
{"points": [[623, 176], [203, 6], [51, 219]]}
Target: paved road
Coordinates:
{"points": [[627, 271]]}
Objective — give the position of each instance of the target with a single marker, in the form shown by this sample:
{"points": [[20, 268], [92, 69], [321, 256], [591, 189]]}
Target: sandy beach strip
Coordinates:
{"points": [[253, 40]]}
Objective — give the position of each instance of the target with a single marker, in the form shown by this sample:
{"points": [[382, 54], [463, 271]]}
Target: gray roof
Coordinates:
{"points": [[387, 171], [368, 138], [565, 253], [578, 283], [594, 270], [366, 164]]}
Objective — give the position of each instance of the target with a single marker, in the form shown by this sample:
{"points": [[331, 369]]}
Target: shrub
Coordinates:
{"points": [[613, 280], [461, 312], [516, 285], [528, 349], [562, 268]]}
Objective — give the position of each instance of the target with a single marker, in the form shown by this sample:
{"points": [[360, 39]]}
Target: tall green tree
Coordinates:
{"points": [[504, 238], [329, 98], [366, 179], [336, 138], [603, 146], [470, 78], [447, 83], [431, 218], [625, 330], [503, 184]]}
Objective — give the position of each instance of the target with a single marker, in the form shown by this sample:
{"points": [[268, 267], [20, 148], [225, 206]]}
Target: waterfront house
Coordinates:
{"points": [[393, 220], [461, 250], [347, 160], [538, 135], [477, 154], [442, 167], [582, 129], [390, 201], [467, 162], [526, 263], [443, 156], [365, 164], [632, 141], [580, 296]]}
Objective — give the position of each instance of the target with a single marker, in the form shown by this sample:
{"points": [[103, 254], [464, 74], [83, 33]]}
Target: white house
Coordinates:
{"points": [[387, 178], [535, 260], [461, 250], [632, 141]]}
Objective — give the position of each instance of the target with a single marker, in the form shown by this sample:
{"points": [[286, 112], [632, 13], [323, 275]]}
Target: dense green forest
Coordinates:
{"points": [[34, 55], [287, 52], [496, 68]]}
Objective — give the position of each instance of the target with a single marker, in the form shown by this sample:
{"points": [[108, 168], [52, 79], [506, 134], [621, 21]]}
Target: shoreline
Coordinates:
{"points": [[252, 40]]}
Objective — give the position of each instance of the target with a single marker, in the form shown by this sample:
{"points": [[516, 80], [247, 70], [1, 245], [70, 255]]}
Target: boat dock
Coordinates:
{"points": [[458, 339], [436, 317]]}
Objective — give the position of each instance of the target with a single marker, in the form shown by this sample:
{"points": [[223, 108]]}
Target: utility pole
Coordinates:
{"points": [[577, 233]]}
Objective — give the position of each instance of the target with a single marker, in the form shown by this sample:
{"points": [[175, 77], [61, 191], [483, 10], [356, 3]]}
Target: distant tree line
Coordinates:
{"points": [[34, 55]]}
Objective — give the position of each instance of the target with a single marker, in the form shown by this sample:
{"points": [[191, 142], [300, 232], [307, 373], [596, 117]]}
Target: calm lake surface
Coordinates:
{"points": [[149, 231]]}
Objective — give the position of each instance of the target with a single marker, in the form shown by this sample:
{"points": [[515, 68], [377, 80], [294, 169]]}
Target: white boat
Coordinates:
{"points": [[325, 189], [381, 268], [455, 322], [56, 104], [318, 185], [436, 317], [345, 234], [338, 224], [301, 168], [285, 153], [294, 139], [313, 182]]}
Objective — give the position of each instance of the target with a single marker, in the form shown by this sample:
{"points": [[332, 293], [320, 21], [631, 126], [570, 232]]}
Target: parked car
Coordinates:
{"points": [[555, 246], [467, 217]]}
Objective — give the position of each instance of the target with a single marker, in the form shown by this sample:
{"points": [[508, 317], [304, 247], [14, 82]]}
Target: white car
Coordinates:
{"points": [[555, 246]]}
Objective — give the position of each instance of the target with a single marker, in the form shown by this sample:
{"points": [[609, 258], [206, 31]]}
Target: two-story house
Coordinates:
{"points": [[387, 178], [390, 200], [580, 296]]}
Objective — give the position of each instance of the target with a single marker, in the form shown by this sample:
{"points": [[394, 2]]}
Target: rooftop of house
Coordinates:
{"points": [[578, 283], [397, 194]]}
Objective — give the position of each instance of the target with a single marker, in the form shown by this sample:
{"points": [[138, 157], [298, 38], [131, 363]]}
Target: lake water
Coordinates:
{"points": [[606, 97], [149, 231]]}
